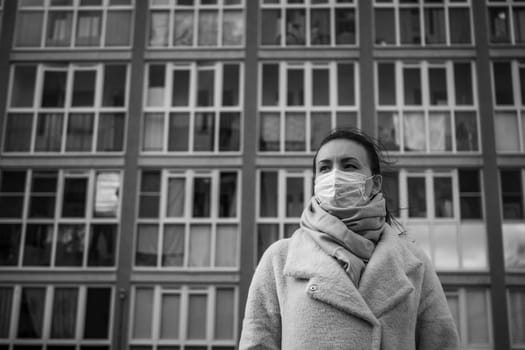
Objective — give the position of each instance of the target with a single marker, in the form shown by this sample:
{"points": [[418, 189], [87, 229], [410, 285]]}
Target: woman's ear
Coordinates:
{"points": [[377, 182]]}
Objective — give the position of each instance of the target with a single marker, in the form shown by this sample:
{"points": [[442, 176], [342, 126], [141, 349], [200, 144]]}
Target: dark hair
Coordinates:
{"points": [[374, 150]]}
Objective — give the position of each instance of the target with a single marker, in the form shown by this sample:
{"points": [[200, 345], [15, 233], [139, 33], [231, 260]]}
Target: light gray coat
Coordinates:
{"points": [[300, 298]]}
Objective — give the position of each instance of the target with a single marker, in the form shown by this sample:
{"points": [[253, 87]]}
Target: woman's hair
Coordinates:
{"points": [[374, 150]]}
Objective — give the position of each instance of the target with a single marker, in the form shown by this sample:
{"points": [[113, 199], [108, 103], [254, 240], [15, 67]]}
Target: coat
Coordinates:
{"points": [[300, 298]]}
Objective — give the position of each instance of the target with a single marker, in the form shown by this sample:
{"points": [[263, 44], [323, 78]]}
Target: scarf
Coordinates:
{"points": [[350, 235]]}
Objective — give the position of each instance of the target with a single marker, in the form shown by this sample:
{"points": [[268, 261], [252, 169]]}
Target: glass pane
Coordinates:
{"points": [[410, 26], [59, 25], [143, 313], [417, 202], [517, 319], [513, 243], [229, 131], [64, 314], [385, 26], [54, 89], [228, 195], [70, 245], [208, 28], [75, 197], [320, 127], [477, 317], [9, 245], [502, 86], [179, 132], [23, 90], [48, 132], [175, 200], [295, 27], [30, 319], [114, 91], [79, 137], [294, 196], [386, 76], [270, 132], [18, 132], [271, 35], [345, 25], [388, 130], [150, 194], [173, 245], [345, 85], [96, 323], [437, 80], [197, 317], [147, 242], [224, 317], [159, 28], [346, 120], [440, 131], [320, 27], [107, 194], [421, 235], [205, 87], [320, 87], [295, 132], [470, 194], [110, 136], [183, 28], [6, 304], [519, 24], [268, 194], [512, 193], [446, 247], [230, 89], [453, 305], [390, 189], [153, 134], [412, 85], [414, 128], [181, 88], [459, 23], [270, 81], [200, 246], [226, 253], [295, 92], [102, 245], [473, 246], [204, 132], [435, 30], [37, 246], [499, 25], [466, 131], [443, 201], [266, 235], [88, 28], [463, 83], [42, 201], [29, 28], [507, 132], [156, 85], [232, 28], [170, 316], [118, 28]]}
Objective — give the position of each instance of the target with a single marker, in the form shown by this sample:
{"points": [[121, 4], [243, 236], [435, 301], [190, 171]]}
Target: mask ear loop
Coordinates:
{"points": [[377, 180]]}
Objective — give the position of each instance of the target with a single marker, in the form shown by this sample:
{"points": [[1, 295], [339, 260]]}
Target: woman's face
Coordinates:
{"points": [[344, 155]]}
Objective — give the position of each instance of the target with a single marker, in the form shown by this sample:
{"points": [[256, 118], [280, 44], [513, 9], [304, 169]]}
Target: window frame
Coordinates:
{"points": [[510, 6]]}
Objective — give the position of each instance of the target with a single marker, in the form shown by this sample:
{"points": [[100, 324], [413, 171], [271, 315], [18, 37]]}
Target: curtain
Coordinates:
{"points": [[176, 194], [118, 28], [6, 300], [440, 131], [320, 27], [226, 246], [31, 316], [170, 316], [435, 30], [173, 245], [415, 136], [183, 28], [29, 28], [208, 28], [88, 28], [410, 26], [224, 314], [49, 132], [153, 132], [507, 132], [200, 246], [197, 315], [64, 313], [269, 132], [232, 28], [59, 28], [159, 29], [295, 131], [146, 249], [70, 245], [107, 194], [79, 132]]}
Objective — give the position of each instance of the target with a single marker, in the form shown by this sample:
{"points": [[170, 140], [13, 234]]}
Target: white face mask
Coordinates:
{"points": [[341, 189]]}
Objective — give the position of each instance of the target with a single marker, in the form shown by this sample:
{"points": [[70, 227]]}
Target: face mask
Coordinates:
{"points": [[341, 189]]}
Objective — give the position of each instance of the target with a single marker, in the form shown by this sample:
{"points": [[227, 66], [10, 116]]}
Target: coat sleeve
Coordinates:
{"points": [[436, 329], [261, 327]]}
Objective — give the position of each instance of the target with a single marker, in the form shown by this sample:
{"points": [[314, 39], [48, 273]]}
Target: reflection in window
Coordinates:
{"points": [[417, 204], [512, 194], [31, 317]]}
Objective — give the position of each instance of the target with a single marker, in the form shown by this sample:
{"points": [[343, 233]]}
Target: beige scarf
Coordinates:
{"points": [[350, 235]]}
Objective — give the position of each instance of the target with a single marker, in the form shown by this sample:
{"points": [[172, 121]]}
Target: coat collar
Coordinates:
{"points": [[384, 283]]}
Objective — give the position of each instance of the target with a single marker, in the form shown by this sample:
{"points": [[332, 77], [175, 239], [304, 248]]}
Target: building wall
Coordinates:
{"points": [[152, 150]]}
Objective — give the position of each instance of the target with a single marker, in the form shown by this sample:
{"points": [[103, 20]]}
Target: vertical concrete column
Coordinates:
{"points": [[366, 66], [6, 43]]}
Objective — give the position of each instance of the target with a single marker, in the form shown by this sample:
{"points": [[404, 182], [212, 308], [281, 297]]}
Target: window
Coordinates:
{"points": [[282, 197], [56, 316], [417, 22], [74, 23], [506, 21], [45, 116], [442, 211], [308, 23], [182, 23], [188, 220], [427, 107], [472, 314], [511, 182], [200, 316], [300, 103], [59, 219], [193, 108], [516, 309], [509, 105]]}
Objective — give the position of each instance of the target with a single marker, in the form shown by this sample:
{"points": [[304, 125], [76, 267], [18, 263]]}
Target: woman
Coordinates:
{"points": [[345, 279]]}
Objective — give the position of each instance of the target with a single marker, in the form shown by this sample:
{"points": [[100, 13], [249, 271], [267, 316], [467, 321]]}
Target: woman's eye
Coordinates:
{"points": [[324, 168], [350, 166]]}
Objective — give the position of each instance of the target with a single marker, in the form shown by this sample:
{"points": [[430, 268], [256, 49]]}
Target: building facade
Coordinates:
{"points": [[151, 150]]}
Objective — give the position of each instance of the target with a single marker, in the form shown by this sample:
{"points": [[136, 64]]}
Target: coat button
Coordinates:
{"points": [[313, 288]]}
